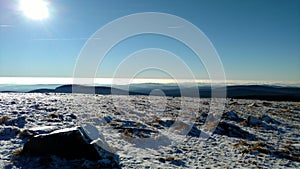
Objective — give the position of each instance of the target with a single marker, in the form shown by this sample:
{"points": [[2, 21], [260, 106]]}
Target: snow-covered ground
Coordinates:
{"points": [[144, 131]]}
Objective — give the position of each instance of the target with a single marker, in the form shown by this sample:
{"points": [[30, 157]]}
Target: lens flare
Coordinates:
{"points": [[34, 9]]}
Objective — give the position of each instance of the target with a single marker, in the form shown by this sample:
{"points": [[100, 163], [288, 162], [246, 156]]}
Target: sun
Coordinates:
{"points": [[34, 9]]}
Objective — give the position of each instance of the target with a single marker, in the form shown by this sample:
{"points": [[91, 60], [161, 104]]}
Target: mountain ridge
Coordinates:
{"points": [[260, 92]]}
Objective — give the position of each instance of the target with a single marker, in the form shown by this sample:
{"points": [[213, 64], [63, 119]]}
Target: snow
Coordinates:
{"points": [[144, 133]]}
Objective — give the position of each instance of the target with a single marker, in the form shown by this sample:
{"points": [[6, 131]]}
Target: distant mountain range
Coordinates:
{"points": [[260, 92]]}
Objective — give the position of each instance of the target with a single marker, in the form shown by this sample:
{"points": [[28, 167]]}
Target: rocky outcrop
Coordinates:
{"points": [[232, 130], [71, 143]]}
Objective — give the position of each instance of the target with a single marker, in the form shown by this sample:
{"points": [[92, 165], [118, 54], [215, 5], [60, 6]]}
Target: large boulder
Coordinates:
{"points": [[71, 143]]}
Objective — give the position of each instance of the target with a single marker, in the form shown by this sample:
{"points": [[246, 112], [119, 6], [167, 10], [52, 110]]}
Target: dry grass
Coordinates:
{"points": [[17, 153], [247, 147], [114, 124], [261, 147], [4, 119], [156, 121], [240, 143], [243, 123]]}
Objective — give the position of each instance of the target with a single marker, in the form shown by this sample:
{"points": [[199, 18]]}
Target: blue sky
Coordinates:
{"points": [[255, 39]]}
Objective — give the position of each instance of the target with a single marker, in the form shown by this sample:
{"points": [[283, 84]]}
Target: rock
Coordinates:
{"points": [[253, 105], [53, 116], [50, 109], [233, 103], [202, 118], [73, 116], [70, 117], [232, 115], [268, 119], [253, 121], [35, 106], [95, 135], [232, 130], [38, 130], [166, 122], [108, 119], [267, 104], [194, 132], [297, 146], [71, 143], [205, 103]]}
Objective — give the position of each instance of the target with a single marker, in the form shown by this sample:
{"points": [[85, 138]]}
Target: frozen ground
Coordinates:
{"points": [[141, 130]]}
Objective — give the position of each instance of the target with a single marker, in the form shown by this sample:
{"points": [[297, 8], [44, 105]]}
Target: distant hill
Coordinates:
{"points": [[42, 91], [85, 89], [260, 92], [264, 92], [25, 88]]}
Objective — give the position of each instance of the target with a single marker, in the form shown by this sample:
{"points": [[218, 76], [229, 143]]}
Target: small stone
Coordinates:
{"points": [[253, 105], [108, 119], [267, 104], [73, 116]]}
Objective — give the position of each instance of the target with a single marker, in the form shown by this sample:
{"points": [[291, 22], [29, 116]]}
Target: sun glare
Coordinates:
{"points": [[34, 9]]}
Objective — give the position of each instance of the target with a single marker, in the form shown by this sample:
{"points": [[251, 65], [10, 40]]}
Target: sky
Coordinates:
{"points": [[255, 39]]}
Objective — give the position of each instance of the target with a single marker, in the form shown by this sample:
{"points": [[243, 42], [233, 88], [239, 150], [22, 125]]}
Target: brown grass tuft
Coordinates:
{"points": [[17, 152], [4, 119]]}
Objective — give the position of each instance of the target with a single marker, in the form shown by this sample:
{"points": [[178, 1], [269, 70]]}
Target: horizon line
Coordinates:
{"points": [[124, 81]]}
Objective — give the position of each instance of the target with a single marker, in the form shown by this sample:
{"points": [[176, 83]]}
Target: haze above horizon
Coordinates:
{"points": [[10, 81]]}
